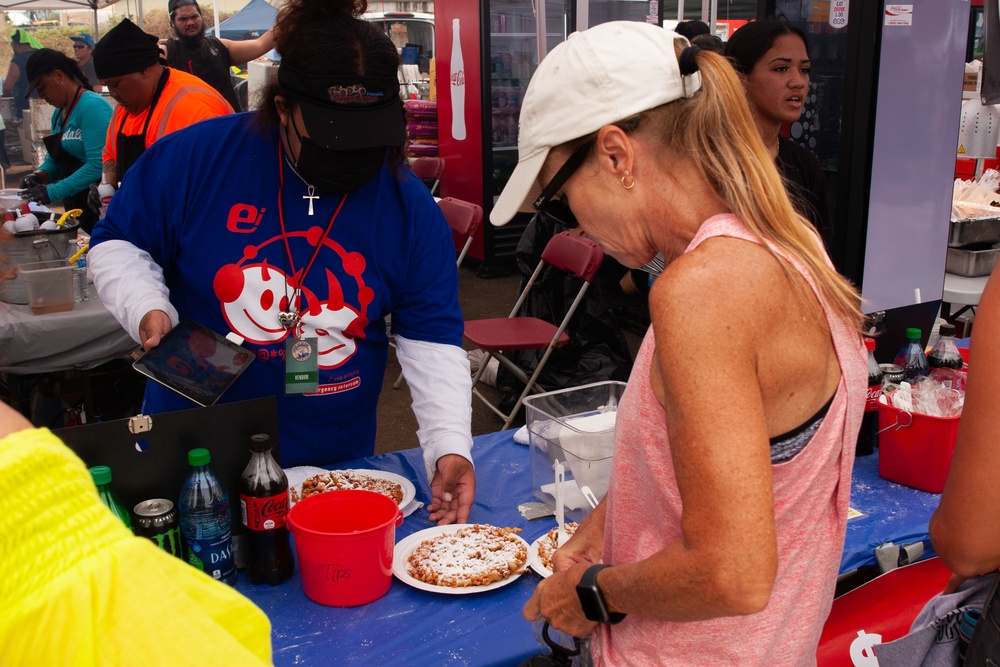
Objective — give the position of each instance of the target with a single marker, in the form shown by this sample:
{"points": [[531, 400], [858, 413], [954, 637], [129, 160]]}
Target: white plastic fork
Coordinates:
{"points": [[589, 495], [561, 536]]}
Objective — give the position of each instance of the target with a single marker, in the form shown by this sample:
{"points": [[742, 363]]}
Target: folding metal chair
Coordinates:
{"points": [[464, 218], [429, 170], [566, 252]]}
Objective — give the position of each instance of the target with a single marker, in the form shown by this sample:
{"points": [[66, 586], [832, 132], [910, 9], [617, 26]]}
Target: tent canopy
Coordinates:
{"points": [[53, 5], [256, 16]]}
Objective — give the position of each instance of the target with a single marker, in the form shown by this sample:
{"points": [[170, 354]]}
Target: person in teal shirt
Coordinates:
{"points": [[79, 128]]}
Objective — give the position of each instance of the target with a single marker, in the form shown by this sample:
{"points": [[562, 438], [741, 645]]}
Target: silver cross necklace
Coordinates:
{"points": [[310, 189]]}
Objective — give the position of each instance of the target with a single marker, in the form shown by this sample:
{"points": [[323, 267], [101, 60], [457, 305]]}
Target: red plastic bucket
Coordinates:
{"points": [[914, 449], [344, 540]]}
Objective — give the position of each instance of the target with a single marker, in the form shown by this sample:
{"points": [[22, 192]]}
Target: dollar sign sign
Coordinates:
{"points": [[862, 654]]}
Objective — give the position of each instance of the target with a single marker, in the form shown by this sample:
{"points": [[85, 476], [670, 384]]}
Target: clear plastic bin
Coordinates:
{"points": [[49, 285], [576, 427]]}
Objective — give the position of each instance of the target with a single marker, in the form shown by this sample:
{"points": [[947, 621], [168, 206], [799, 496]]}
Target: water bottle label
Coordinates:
{"points": [[264, 513], [213, 556]]}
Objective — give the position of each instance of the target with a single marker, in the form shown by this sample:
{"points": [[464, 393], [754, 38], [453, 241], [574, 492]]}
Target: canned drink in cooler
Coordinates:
{"points": [[891, 373], [157, 519]]}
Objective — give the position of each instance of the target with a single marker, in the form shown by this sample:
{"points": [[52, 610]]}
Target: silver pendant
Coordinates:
{"points": [[288, 318]]}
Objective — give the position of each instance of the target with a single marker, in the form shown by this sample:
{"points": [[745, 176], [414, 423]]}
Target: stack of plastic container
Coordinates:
{"points": [[422, 128]]}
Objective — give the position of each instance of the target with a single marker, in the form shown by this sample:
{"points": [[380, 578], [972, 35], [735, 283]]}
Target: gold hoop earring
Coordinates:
{"points": [[630, 185]]}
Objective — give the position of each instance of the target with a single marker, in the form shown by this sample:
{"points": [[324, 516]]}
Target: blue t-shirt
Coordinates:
{"points": [[20, 101], [204, 203], [83, 137]]}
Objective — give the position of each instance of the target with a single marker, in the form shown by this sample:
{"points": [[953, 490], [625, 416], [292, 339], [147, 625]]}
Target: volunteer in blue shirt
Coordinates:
{"points": [[79, 128], [299, 227]]}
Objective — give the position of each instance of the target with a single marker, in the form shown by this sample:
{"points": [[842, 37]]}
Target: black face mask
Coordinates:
{"points": [[337, 171]]}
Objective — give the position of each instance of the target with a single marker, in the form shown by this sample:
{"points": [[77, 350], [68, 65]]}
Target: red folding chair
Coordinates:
{"points": [[566, 252], [429, 170], [464, 218]]}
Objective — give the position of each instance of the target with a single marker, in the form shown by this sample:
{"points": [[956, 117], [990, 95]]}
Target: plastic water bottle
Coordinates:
{"points": [[911, 357], [80, 279], [206, 523], [102, 480]]}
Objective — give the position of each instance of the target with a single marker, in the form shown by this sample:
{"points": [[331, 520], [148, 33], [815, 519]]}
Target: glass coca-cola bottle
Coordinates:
{"points": [[264, 506]]}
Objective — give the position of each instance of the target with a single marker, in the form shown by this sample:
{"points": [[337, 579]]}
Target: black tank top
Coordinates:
{"points": [[209, 62]]}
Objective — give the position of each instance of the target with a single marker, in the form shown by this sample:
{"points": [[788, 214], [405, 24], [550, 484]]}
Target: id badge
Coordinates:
{"points": [[301, 367]]}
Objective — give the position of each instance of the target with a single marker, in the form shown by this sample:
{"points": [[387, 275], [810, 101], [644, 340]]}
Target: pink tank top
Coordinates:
{"points": [[811, 492]]}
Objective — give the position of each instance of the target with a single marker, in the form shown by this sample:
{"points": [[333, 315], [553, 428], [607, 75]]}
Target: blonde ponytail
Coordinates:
{"points": [[715, 130]]}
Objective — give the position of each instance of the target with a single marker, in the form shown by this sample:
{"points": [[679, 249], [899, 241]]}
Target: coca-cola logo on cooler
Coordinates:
{"points": [[458, 78]]}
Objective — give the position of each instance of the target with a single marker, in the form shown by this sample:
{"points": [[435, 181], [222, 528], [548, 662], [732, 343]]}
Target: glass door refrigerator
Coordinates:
{"points": [[487, 52]]}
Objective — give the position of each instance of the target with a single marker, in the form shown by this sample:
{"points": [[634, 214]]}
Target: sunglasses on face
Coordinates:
{"points": [[557, 210], [79, 46]]}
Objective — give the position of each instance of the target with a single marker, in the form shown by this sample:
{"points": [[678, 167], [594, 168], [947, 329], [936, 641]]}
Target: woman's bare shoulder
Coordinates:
{"points": [[724, 279]]}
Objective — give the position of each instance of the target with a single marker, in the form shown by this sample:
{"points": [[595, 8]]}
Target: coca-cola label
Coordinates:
{"points": [[874, 391], [264, 513]]}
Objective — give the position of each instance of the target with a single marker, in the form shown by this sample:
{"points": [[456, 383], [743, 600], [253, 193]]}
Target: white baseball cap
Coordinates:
{"points": [[596, 77]]}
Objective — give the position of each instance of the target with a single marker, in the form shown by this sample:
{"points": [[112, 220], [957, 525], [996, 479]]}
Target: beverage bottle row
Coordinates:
{"points": [[203, 521]]}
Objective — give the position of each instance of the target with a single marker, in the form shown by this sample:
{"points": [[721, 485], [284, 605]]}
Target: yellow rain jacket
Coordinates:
{"points": [[78, 588]]}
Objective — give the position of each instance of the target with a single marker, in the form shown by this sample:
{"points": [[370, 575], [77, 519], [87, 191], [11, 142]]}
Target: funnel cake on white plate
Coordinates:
{"points": [[347, 479], [547, 544], [476, 555]]}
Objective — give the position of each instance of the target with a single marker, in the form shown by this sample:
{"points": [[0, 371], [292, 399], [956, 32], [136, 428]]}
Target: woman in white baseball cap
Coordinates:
{"points": [[719, 541]]}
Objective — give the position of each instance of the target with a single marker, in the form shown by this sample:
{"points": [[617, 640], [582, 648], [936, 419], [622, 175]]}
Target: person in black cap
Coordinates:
{"points": [[76, 143], [299, 228], [208, 58], [153, 100]]}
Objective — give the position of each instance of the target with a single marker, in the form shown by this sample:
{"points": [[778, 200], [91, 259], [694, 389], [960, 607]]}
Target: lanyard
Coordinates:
{"points": [[290, 318]]}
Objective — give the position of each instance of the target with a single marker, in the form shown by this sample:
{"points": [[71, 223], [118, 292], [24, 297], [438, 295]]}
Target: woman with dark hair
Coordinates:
{"points": [[79, 127], [772, 59], [298, 228]]}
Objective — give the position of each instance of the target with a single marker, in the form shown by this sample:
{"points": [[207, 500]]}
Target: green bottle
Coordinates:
{"points": [[102, 479]]}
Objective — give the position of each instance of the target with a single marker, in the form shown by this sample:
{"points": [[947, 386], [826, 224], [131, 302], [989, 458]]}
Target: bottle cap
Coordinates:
{"points": [[870, 344], [261, 442], [947, 330], [101, 475], [199, 457], [913, 333]]}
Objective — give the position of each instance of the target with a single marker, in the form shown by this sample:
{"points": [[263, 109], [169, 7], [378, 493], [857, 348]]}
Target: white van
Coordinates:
{"points": [[412, 33]]}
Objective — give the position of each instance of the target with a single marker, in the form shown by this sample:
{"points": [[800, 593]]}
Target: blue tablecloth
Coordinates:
{"points": [[893, 513], [412, 627]]}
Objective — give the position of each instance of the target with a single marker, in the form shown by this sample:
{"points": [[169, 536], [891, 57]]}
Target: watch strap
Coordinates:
{"points": [[595, 607]]}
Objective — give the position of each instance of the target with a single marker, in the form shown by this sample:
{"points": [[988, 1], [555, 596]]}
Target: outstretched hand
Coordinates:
{"points": [[453, 489]]}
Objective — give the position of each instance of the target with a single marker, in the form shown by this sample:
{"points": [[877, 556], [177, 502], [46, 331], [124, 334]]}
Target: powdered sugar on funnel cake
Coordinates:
{"points": [[476, 555]]}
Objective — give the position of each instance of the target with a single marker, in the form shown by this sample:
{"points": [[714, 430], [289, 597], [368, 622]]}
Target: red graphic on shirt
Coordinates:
{"points": [[253, 292]]}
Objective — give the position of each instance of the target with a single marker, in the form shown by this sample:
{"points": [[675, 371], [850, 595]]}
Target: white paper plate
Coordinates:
{"points": [[406, 546], [409, 491], [535, 562]]}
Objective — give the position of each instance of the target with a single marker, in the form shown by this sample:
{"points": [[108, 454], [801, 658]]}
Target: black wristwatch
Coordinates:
{"points": [[595, 607]]}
